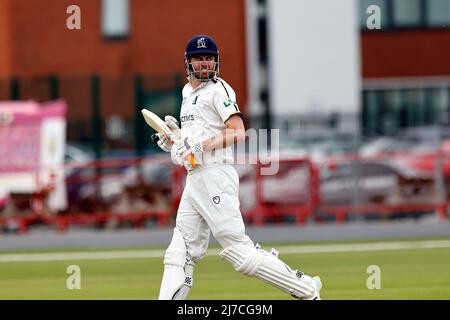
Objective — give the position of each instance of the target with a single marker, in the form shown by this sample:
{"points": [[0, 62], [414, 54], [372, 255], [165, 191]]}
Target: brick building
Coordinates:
{"points": [[405, 65], [147, 37]]}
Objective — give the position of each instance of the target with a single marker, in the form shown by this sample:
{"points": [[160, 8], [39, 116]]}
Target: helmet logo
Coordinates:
{"points": [[201, 43]]}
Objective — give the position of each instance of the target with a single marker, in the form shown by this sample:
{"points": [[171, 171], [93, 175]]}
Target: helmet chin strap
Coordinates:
{"points": [[193, 76]]}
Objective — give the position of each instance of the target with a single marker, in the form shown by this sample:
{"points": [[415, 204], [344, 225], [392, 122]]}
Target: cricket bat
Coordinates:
{"points": [[160, 126]]}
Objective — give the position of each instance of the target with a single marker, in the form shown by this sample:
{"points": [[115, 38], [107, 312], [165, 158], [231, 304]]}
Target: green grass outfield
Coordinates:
{"points": [[416, 269]]}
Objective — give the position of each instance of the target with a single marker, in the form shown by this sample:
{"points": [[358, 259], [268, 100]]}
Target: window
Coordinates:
{"points": [[438, 13], [392, 111], [406, 13], [115, 18], [412, 100], [371, 112], [385, 111]]}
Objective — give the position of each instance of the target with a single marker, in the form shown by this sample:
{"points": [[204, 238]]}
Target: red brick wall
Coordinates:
{"points": [[41, 43], [4, 43], [405, 53]]}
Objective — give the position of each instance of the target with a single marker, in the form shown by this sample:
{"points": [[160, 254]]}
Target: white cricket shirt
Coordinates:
{"points": [[204, 111]]}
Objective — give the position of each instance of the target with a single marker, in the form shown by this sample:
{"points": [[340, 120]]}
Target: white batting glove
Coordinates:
{"points": [[191, 153], [176, 159], [174, 126], [185, 152], [162, 141], [190, 147]]}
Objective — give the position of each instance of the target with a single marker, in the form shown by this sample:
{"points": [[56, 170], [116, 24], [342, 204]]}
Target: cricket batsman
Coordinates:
{"points": [[210, 124]]}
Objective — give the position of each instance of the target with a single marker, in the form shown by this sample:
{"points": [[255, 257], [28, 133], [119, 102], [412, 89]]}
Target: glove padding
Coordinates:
{"points": [[185, 151], [174, 125], [176, 159], [162, 140], [190, 147]]}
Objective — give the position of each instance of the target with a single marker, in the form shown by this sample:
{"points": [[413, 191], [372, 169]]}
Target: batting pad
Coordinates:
{"points": [[267, 267], [175, 283]]}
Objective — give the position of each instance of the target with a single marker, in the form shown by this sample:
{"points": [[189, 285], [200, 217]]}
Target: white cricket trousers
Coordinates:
{"points": [[210, 202]]}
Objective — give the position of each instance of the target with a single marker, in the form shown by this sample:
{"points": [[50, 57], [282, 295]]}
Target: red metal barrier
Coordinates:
{"points": [[299, 189], [94, 178], [290, 191], [413, 188]]}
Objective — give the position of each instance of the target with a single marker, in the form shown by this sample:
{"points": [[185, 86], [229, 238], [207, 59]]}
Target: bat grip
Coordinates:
{"points": [[155, 138]]}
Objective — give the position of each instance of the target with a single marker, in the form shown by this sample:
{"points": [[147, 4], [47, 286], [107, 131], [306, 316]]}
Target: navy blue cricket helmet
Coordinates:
{"points": [[201, 45]]}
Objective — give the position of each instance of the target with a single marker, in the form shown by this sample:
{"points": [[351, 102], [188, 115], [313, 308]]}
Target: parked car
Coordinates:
{"points": [[342, 182], [424, 149], [118, 185], [412, 140], [319, 149], [385, 182], [290, 185]]}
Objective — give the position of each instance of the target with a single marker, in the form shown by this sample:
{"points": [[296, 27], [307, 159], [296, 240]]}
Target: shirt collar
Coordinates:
{"points": [[203, 84]]}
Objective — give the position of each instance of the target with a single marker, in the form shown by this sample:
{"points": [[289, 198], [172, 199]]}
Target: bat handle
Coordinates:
{"points": [[155, 138]]}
